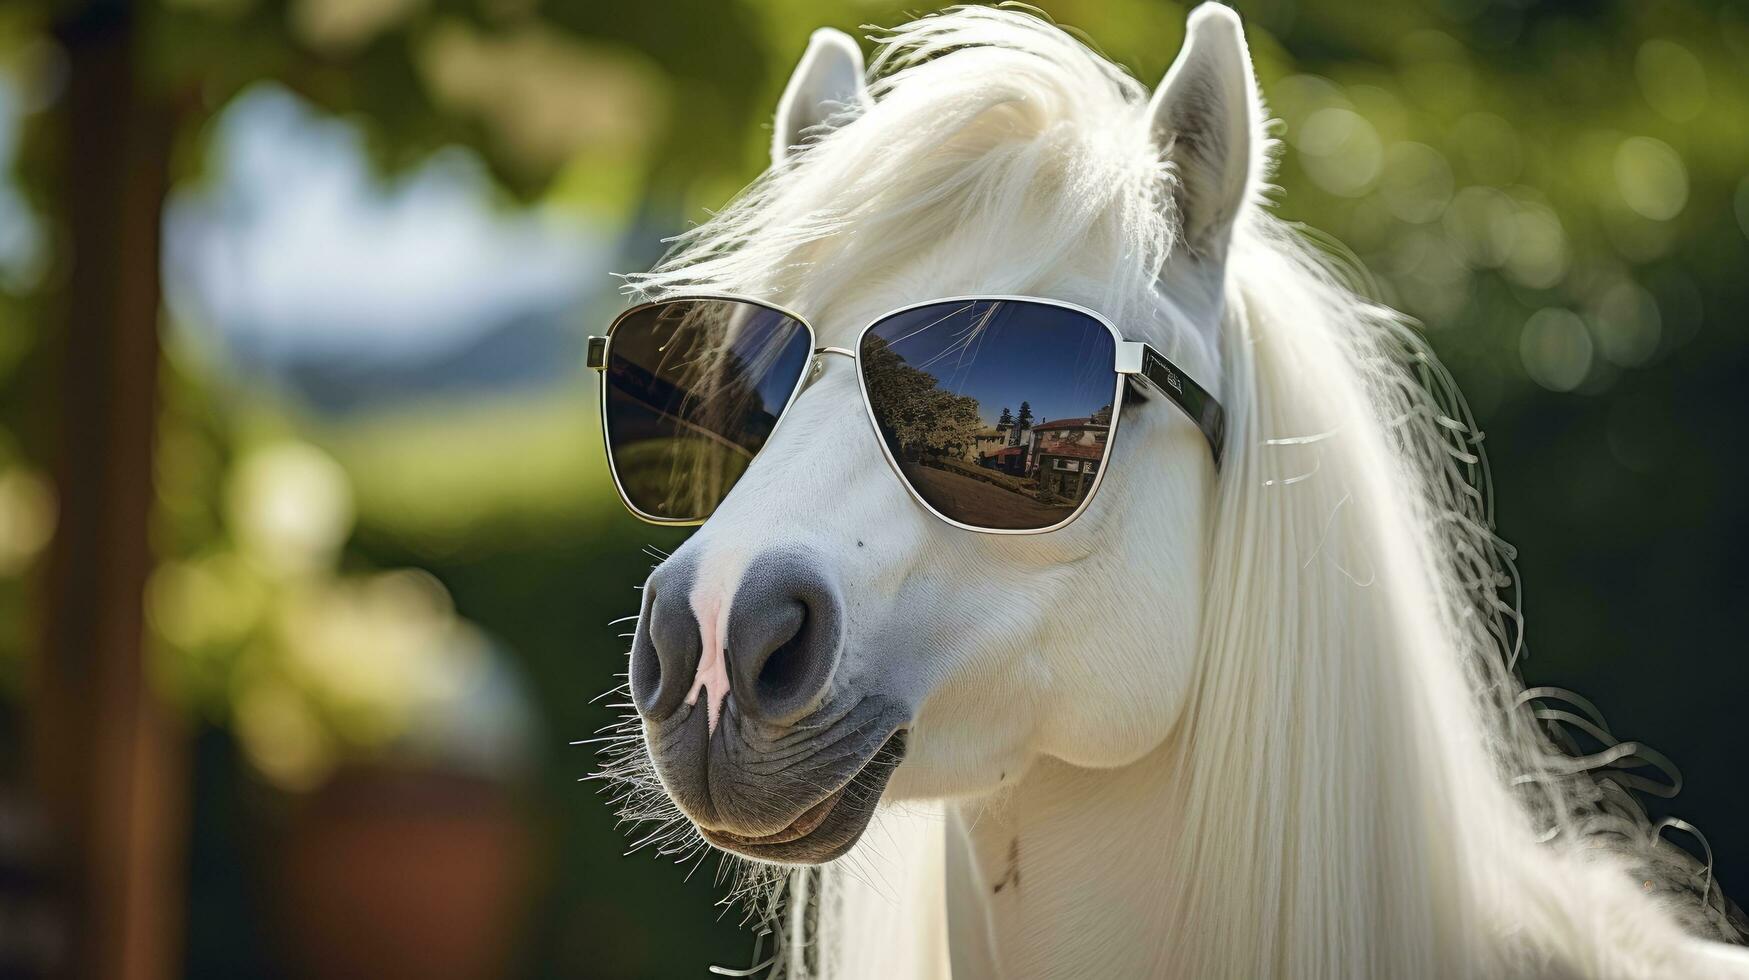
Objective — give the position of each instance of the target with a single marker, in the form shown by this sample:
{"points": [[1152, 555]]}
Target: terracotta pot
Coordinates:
{"points": [[387, 874]]}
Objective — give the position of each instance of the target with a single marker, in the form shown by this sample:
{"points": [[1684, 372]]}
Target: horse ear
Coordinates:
{"points": [[1205, 120], [827, 81]]}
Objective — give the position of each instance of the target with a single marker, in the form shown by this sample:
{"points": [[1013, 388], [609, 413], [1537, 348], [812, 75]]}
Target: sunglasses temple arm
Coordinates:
{"points": [[1189, 396]]}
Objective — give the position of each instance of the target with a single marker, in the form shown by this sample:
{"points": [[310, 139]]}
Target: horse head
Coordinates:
{"points": [[821, 627]]}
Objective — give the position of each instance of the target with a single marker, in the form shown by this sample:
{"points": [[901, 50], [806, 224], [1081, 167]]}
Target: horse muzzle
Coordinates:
{"points": [[748, 732]]}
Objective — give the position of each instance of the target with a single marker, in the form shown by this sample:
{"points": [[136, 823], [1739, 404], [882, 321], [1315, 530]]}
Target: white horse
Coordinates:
{"points": [[1254, 722]]}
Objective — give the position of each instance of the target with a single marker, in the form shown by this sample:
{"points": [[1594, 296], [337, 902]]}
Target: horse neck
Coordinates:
{"points": [[1075, 872], [1064, 874], [1123, 872]]}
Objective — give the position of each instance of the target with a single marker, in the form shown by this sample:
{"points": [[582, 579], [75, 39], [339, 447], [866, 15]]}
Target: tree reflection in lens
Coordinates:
{"points": [[933, 375]]}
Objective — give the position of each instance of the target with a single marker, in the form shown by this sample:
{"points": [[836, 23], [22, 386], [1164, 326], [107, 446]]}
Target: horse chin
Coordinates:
{"points": [[831, 826]]}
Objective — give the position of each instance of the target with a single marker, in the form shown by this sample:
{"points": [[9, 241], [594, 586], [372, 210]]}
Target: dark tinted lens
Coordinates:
{"points": [[997, 411], [694, 388]]}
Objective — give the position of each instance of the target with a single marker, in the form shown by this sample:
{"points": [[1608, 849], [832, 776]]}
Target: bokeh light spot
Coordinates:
{"points": [[1417, 183], [1672, 79], [1556, 349], [282, 736], [1341, 151], [1628, 324], [27, 518], [290, 507], [1537, 254], [1651, 178], [1483, 222], [1298, 96]]}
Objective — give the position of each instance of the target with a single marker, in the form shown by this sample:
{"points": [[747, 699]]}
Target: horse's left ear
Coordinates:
{"points": [[1205, 120], [828, 80]]}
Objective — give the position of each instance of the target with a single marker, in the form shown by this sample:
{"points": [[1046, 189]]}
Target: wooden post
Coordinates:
{"points": [[110, 771]]}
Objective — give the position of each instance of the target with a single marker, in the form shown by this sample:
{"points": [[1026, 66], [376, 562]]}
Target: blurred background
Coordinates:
{"points": [[308, 559]]}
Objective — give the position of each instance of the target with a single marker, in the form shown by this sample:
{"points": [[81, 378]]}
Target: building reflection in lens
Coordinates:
{"points": [[989, 468]]}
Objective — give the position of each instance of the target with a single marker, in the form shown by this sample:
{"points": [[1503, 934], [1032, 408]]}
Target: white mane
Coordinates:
{"points": [[1365, 789], [1357, 700], [996, 146]]}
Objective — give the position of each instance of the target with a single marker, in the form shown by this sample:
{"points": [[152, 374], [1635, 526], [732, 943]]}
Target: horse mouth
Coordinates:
{"points": [[826, 829]]}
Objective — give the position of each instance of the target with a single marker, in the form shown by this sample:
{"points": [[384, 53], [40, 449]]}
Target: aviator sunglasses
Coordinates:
{"points": [[996, 412]]}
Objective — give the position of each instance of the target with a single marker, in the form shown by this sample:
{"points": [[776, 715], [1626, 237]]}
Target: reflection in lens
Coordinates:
{"points": [[998, 412], [694, 388]]}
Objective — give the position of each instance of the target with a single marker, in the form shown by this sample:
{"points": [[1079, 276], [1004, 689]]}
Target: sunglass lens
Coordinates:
{"points": [[997, 412], [693, 389]]}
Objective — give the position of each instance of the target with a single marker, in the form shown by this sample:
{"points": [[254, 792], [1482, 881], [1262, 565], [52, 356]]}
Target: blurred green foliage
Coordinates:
{"points": [[1559, 190]]}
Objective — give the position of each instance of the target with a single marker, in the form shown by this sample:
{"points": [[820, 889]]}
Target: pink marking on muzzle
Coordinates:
{"points": [[713, 664]]}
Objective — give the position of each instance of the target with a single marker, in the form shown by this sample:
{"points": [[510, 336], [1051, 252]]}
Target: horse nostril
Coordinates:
{"points": [[785, 632], [645, 668], [665, 648], [786, 667]]}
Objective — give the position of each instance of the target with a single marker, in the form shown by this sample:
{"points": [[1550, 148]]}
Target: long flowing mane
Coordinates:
{"points": [[1360, 668], [1359, 757]]}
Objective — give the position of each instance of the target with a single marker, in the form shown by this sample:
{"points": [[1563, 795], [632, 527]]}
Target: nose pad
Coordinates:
{"points": [[785, 632], [667, 646]]}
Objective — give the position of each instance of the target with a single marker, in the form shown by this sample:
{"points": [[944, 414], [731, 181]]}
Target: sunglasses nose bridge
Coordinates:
{"points": [[817, 363]]}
